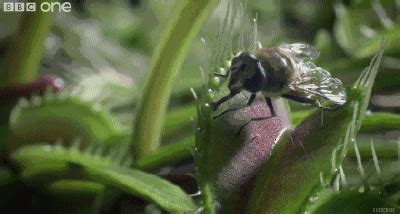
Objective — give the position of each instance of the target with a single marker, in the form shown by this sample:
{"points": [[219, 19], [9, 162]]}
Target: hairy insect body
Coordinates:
{"points": [[252, 80], [279, 69], [284, 71]]}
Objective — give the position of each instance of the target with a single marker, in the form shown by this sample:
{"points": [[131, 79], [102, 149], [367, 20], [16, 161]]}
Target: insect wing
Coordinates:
{"points": [[299, 50], [317, 84]]}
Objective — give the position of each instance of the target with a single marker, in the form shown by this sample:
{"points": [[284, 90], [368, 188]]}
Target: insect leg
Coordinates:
{"points": [[251, 120], [221, 75], [224, 99], [270, 106], [224, 112], [251, 99]]}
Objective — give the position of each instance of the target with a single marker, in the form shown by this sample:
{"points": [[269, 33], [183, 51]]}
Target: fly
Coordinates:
{"points": [[284, 71]]}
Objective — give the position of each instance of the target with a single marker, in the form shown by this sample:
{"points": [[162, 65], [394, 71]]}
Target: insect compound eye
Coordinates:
{"points": [[244, 59], [237, 62]]}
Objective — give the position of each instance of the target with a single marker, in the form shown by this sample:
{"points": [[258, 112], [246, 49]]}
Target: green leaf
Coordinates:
{"points": [[380, 122], [369, 171], [147, 186], [347, 29], [299, 116], [70, 187], [331, 201], [92, 155], [392, 35], [348, 32], [387, 149], [178, 119], [187, 18], [320, 145], [61, 116], [45, 163]]}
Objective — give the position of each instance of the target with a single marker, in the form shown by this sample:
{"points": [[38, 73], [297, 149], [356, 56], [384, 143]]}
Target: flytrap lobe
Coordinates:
{"points": [[237, 126]]}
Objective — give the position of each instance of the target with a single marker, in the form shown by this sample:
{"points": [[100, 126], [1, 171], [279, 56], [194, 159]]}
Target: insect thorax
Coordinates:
{"points": [[279, 71]]}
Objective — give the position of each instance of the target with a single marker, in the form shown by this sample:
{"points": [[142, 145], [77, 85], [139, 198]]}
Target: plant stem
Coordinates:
{"points": [[163, 72], [26, 51], [208, 200]]}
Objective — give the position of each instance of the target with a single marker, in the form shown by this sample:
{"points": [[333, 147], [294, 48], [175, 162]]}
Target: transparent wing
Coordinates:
{"points": [[315, 83], [299, 50]]}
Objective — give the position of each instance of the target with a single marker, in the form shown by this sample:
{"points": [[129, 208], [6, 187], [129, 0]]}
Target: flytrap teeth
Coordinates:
{"points": [[76, 144], [99, 151], [127, 162], [89, 149], [120, 158], [36, 100], [322, 180], [118, 154], [115, 155], [58, 144], [23, 102], [375, 160], [97, 107], [342, 176], [111, 155], [63, 96], [227, 63], [336, 184], [49, 96]]}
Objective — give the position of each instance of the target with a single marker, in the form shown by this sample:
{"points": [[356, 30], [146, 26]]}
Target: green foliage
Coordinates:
{"points": [[92, 155], [175, 43], [168, 154], [348, 32], [65, 117], [370, 185], [347, 202], [40, 160], [26, 50], [380, 122]]}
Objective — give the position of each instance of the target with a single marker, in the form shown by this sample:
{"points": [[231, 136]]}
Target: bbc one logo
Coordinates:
{"points": [[32, 7]]}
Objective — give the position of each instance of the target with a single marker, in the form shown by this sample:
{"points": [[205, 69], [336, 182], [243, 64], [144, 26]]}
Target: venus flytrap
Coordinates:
{"points": [[231, 141], [310, 169], [167, 155], [62, 114], [44, 164], [369, 183]]}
